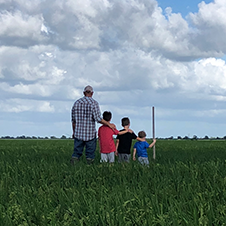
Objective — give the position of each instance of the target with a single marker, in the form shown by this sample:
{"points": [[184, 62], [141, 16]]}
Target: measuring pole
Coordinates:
{"points": [[153, 128]]}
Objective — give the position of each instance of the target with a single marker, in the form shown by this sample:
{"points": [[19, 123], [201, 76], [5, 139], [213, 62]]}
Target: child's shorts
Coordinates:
{"points": [[108, 157], [143, 160], [123, 157]]}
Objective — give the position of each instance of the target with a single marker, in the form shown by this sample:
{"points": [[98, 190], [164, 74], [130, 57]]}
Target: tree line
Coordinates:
{"points": [[34, 137], [166, 138]]}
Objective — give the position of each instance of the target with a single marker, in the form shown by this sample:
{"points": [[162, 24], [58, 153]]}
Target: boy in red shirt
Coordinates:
{"points": [[106, 141]]}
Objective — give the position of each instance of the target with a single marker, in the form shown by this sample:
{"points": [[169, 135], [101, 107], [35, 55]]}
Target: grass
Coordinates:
{"points": [[185, 185]]}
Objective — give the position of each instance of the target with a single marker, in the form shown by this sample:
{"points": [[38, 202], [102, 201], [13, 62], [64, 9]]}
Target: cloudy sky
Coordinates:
{"points": [[135, 53]]}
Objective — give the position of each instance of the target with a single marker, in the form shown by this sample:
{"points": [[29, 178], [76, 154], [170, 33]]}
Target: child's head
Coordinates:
{"points": [[125, 121], [141, 134], [107, 116]]}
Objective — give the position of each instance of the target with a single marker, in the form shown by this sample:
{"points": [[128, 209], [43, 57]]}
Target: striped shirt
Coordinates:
{"points": [[85, 112]]}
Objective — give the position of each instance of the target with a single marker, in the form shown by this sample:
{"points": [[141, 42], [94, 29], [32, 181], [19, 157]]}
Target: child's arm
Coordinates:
{"points": [[134, 154], [99, 140], [134, 135], [139, 139], [123, 132], [153, 143], [116, 147]]}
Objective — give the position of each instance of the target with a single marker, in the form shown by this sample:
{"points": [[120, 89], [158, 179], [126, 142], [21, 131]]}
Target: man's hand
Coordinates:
{"points": [[112, 126], [134, 158], [116, 153]]}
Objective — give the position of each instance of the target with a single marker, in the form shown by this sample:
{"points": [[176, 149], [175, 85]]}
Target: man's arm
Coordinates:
{"points": [[111, 125], [134, 154], [73, 129], [97, 116], [73, 120]]}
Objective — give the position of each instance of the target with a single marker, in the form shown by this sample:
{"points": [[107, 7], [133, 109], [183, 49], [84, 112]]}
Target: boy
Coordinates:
{"points": [[141, 148], [123, 142], [106, 141]]}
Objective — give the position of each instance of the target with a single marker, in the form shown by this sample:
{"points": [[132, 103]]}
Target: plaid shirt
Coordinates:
{"points": [[85, 112]]}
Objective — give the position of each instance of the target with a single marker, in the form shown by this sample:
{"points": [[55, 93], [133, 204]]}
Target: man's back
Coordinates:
{"points": [[85, 112]]}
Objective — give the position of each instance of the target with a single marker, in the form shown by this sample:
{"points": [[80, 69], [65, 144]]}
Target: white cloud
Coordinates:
{"points": [[45, 107], [18, 105], [210, 15], [85, 7], [44, 29], [5, 1], [212, 72], [18, 25], [210, 22], [210, 113]]}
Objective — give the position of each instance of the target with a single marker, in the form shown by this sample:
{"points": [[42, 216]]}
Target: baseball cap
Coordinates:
{"points": [[88, 89]]}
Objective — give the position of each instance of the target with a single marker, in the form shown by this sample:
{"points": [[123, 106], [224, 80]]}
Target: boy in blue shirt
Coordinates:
{"points": [[140, 148]]}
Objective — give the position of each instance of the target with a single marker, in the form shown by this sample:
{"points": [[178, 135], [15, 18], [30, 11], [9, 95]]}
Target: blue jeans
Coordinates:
{"points": [[79, 146]]}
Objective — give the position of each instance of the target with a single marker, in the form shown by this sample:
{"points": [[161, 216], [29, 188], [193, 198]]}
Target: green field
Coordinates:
{"points": [[185, 185]]}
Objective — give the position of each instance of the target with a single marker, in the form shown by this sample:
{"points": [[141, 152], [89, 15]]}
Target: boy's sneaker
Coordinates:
{"points": [[74, 160], [90, 161]]}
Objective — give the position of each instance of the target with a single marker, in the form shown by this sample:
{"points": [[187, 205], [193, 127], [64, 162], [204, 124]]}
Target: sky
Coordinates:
{"points": [[135, 53]]}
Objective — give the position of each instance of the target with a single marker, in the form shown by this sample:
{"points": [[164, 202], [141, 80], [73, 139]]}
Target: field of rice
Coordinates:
{"points": [[185, 185]]}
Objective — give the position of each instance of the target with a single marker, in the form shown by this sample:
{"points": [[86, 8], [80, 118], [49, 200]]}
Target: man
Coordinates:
{"points": [[85, 113]]}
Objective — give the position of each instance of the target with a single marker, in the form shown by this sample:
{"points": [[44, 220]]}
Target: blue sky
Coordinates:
{"points": [[135, 53], [184, 7]]}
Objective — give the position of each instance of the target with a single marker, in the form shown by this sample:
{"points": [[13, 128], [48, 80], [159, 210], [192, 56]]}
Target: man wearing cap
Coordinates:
{"points": [[85, 113]]}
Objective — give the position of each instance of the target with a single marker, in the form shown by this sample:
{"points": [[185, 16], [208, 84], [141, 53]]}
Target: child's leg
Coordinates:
{"points": [[127, 157], [111, 157], [104, 157], [124, 157], [119, 158], [143, 160]]}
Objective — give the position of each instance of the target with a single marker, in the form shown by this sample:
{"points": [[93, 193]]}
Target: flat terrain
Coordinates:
{"points": [[185, 185]]}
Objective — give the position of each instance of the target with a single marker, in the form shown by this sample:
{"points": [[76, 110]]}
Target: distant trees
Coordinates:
{"points": [[195, 137], [34, 137], [7, 137]]}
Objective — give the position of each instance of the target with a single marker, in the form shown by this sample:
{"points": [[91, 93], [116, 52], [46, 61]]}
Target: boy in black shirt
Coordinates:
{"points": [[123, 142]]}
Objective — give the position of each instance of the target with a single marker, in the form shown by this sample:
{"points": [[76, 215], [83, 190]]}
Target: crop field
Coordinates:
{"points": [[184, 185]]}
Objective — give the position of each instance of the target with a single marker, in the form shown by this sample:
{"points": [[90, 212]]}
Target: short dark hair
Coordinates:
{"points": [[107, 116], [141, 134], [125, 121]]}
